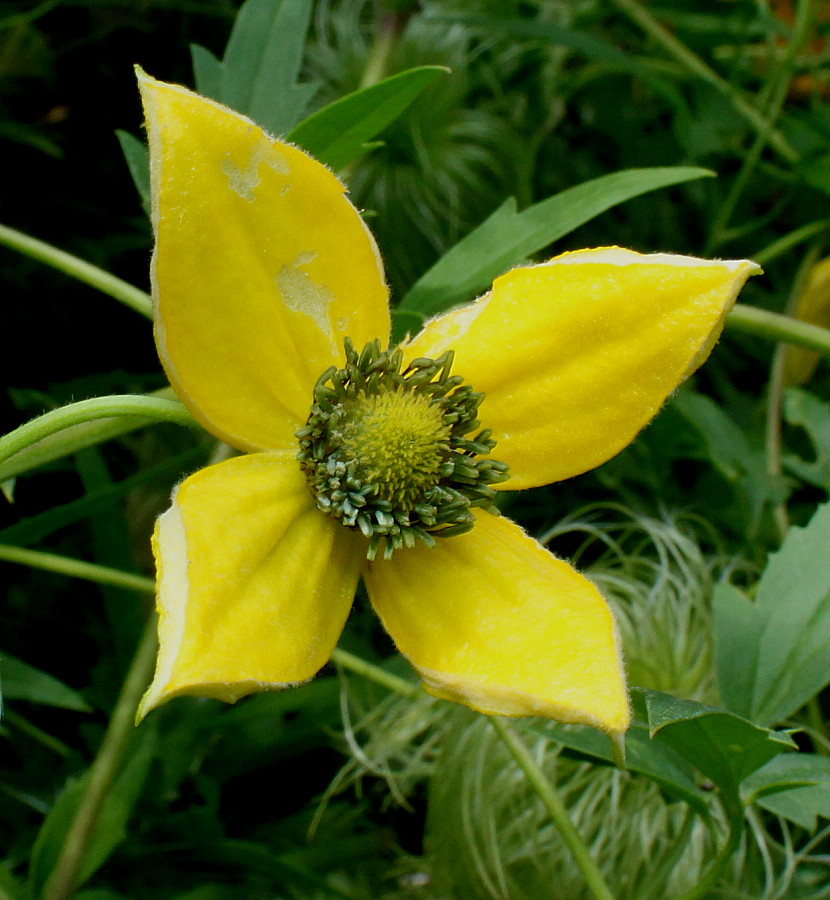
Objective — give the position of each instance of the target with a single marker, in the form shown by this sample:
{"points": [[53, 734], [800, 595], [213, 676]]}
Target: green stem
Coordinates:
{"points": [[374, 673], [782, 245], [78, 269], [555, 808], [75, 568], [696, 66], [157, 409], [63, 880], [779, 86], [377, 63], [776, 327], [535, 776]]}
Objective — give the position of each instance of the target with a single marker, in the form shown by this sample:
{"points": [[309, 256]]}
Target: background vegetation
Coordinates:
{"points": [[357, 785]]}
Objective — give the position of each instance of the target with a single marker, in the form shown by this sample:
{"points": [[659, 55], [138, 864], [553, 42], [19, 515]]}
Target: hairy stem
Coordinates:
{"points": [[156, 409], [79, 269], [555, 808], [374, 673], [75, 568], [776, 327]]}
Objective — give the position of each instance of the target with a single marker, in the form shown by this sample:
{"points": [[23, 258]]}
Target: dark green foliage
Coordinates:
{"points": [[473, 135]]}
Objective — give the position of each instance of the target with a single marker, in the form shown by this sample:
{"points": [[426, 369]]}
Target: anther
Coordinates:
{"points": [[385, 450]]}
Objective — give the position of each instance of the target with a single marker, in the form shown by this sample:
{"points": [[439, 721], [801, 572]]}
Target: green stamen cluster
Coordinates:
{"points": [[386, 451]]}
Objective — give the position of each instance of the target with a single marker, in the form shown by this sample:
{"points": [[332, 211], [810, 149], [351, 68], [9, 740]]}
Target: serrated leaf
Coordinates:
{"points": [[656, 761], [724, 747], [20, 681], [337, 133], [110, 826], [508, 237], [795, 786], [790, 623]]}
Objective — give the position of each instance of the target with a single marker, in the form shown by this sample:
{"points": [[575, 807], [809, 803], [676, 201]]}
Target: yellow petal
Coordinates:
{"points": [[813, 307], [261, 267], [254, 583], [576, 355], [492, 620]]}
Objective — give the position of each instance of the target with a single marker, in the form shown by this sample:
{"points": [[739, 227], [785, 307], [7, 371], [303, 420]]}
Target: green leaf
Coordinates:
{"points": [[654, 760], [740, 460], [726, 445], [813, 415], [207, 72], [306, 867], [138, 162], [722, 746], [790, 624], [32, 529], [20, 681], [110, 546], [110, 826], [508, 237], [404, 322], [258, 75], [738, 625], [795, 786], [338, 133], [10, 887], [816, 172]]}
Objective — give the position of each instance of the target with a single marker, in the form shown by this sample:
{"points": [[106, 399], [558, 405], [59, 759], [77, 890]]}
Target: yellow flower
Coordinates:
{"points": [[271, 321]]}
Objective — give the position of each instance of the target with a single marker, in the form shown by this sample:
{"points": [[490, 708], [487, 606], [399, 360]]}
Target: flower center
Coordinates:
{"points": [[387, 451]]}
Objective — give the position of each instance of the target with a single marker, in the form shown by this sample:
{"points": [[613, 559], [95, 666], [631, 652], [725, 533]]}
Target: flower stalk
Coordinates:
{"points": [[777, 327], [154, 409], [64, 878], [555, 809], [78, 269], [536, 778], [76, 568]]}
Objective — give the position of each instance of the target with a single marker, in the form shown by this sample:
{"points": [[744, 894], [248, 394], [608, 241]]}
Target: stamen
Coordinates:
{"points": [[385, 452]]}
